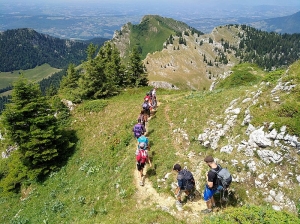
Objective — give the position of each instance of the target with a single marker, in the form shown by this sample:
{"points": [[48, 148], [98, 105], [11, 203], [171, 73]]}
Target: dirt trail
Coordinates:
{"points": [[146, 195]]}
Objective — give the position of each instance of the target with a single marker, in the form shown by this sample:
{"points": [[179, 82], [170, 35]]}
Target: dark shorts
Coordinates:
{"points": [[140, 166], [148, 112]]}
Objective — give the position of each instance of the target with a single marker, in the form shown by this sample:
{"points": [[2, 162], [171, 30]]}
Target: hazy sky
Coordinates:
{"points": [[204, 2]]}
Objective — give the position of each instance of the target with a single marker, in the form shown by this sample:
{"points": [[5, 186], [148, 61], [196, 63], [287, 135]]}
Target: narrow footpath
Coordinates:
{"points": [[147, 196]]}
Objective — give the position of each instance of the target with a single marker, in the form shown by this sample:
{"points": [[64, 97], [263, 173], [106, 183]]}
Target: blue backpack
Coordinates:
{"points": [[144, 140]]}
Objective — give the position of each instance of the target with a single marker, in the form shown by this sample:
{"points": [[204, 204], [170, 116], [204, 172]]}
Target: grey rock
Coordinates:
{"points": [[269, 156], [258, 137], [227, 149], [272, 134]]}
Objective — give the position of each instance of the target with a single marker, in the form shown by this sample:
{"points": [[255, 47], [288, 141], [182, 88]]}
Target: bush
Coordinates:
{"points": [[242, 76], [252, 214], [93, 106]]}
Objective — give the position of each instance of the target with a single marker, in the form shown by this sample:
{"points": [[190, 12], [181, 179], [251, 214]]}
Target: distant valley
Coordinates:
{"points": [[89, 21]]}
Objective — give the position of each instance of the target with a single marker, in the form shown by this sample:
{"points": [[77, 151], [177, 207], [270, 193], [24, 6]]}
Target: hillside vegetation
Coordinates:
{"points": [[98, 183], [77, 165], [36, 74], [23, 49]]}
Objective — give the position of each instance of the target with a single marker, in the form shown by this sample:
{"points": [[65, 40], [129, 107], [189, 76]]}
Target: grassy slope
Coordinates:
{"points": [[185, 68], [35, 74], [97, 184]]}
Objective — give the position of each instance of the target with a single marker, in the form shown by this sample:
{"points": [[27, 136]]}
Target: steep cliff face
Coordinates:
{"points": [[122, 39]]}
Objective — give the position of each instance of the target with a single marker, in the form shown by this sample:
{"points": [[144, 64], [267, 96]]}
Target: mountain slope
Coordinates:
{"points": [[286, 24], [149, 35], [97, 185], [26, 49]]}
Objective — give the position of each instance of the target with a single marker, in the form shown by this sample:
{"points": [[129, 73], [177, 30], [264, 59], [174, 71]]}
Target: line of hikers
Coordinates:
{"points": [[139, 130], [218, 179]]}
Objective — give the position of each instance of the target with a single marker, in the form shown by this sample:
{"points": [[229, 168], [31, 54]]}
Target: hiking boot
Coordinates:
{"points": [[179, 203], [191, 197], [206, 211]]}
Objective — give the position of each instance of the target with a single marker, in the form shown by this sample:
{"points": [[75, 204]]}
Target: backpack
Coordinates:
{"points": [[143, 139], [142, 156], [137, 129], [141, 118], [224, 177], [145, 106], [189, 179]]}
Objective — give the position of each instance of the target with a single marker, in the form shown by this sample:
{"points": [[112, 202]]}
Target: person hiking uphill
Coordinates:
{"points": [[146, 107], [138, 129], [142, 158], [143, 139], [153, 98], [211, 184], [147, 97], [218, 180], [142, 118], [186, 183]]}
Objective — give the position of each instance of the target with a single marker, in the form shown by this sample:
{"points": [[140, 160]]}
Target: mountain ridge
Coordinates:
{"points": [[286, 24]]}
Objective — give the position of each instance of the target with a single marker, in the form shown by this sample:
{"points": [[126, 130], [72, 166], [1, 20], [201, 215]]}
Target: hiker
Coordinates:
{"points": [[211, 186], [142, 118], [147, 97], [153, 98], [145, 140], [186, 183], [138, 129], [142, 158], [146, 107]]}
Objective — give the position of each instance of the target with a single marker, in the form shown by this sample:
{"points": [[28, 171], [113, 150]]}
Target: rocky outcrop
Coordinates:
{"points": [[263, 146]]}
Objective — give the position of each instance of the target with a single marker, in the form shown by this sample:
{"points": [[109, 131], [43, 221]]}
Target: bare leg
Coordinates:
{"points": [[208, 203], [213, 201], [141, 174]]}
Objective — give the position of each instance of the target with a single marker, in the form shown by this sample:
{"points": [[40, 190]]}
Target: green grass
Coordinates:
{"points": [[97, 183], [243, 75], [35, 75]]}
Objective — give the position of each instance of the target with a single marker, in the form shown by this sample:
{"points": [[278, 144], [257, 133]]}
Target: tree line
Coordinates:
{"points": [[268, 50], [37, 124], [23, 49]]}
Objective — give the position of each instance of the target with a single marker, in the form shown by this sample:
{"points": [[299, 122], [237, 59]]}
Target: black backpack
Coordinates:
{"points": [[189, 179], [224, 177]]}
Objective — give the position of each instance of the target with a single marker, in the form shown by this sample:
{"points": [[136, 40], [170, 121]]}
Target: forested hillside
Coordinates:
{"points": [[268, 50], [286, 24], [26, 48]]}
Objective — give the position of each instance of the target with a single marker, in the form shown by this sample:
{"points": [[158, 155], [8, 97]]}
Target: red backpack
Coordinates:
{"points": [[142, 156]]}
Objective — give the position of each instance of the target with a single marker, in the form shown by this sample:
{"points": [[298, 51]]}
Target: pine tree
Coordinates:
{"points": [[31, 124], [103, 74], [136, 74], [69, 85]]}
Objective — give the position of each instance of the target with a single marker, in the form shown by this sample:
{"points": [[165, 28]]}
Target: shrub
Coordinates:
{"points": [[93, 106], [252, 214]]}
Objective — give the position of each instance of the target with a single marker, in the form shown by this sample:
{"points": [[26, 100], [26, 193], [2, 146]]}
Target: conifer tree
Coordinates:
{"points": [[103, 74], [136, 73], [93, 78], [69, 85], [31, 124]]}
